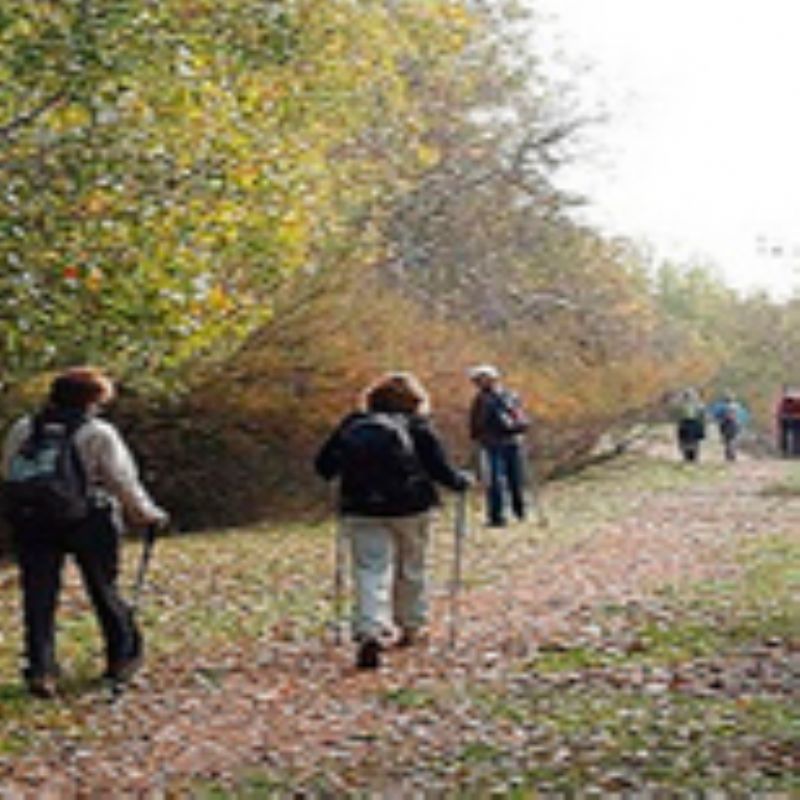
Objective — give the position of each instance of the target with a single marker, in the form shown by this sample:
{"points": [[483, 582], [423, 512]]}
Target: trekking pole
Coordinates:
{"points": [[340, 558], [117, 685], [458, 553], [339, 568], [480, 471], [149, 539]]}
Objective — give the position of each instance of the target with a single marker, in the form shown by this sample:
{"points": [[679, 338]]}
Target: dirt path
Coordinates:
{"points": [[290, 705]]}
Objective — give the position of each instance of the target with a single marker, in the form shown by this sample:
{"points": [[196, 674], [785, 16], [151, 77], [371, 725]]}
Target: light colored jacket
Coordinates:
{"points": [[107, 462]]}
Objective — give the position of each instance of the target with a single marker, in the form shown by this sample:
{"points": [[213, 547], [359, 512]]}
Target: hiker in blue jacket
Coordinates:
{"points": [[730, 416], [388, 458]]}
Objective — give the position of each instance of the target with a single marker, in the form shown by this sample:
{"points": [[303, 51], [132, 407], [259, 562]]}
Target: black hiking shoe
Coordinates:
{"points": [[369, 654], [123, 670], [41, 686], [411, 637]]}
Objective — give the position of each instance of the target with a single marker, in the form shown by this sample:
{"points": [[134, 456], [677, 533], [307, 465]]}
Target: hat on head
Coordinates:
{"points": [[484, 371]]}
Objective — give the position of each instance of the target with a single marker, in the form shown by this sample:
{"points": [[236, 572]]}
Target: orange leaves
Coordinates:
{"points": [[76, 276], [94, 279]]}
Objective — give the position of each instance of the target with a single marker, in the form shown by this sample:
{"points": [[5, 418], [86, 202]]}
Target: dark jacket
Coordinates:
{"points": [[431, 466]]}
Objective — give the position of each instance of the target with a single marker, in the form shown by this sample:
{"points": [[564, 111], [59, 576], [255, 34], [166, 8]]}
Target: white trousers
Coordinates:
{"points": [[389, 581]]}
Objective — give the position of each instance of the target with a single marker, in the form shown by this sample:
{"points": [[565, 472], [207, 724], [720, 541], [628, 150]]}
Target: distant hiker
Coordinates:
{"points": [[497, 423], [691, 428], [787, 418], [730, 416], [388, 458], [68, 481]]}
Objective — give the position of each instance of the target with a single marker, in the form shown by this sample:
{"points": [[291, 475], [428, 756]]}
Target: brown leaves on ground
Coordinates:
{"points": [[627, 646]]}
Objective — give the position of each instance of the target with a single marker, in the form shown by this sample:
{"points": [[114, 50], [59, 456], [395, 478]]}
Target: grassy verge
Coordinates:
{"points": [[693, 694], [204, 595], [659, 695], [788, 486]]}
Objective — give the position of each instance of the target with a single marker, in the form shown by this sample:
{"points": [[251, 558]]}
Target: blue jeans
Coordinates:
{"points": [[506, 473]]}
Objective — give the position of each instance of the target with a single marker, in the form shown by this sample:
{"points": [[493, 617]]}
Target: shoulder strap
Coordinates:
{"points": [[73, 422], [505, 400], [399, 423]]}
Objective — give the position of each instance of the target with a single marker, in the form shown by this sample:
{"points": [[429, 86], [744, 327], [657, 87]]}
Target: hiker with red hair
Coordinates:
{"points": [[388, 458], [82, 514]]}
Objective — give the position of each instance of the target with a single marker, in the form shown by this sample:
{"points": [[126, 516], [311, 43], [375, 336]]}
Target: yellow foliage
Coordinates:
{"points": [[68, 117], [218, 299], [97, 202], [94, 279]]}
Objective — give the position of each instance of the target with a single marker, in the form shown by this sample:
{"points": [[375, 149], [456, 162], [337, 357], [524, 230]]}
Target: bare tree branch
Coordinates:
{"points": [[11, 127], [8, 130]]}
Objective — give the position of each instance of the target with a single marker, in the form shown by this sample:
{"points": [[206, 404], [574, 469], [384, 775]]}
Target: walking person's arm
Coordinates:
{"points": [[111, 465], [434, 459]]}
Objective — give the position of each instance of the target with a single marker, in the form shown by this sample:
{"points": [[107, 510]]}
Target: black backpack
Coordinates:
{"points": [[379, 462], [46, 481], [506, 415]]}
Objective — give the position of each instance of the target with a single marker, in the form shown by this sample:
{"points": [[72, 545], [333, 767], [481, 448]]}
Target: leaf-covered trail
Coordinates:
{"points": [[296, 707]]}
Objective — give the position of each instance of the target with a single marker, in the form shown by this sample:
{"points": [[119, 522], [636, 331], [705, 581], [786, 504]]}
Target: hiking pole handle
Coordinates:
{"points": [[339, 566]]}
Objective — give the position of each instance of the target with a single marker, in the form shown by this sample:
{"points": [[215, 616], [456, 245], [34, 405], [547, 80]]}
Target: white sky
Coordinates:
{"points": [[701, 156]]}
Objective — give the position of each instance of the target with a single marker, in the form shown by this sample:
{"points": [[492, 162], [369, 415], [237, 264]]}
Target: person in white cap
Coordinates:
{"points": [[497, 423]]}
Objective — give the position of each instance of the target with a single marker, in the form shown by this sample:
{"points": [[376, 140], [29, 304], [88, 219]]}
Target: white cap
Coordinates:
{"points": [[484, 370]]}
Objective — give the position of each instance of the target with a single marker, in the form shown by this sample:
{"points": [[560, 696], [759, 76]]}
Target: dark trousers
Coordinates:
{"points": [[41, 553], [506, 473], [790, 436], [691, 433]]}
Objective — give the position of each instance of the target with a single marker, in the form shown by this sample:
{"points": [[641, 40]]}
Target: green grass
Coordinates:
{"points": [[710, 619], [404, 697], [582, 736], [585, 736], [549, 726], [788, 486], [579, 735]]}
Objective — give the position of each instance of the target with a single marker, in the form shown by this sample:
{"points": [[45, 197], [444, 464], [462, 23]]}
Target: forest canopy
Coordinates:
{"points": [[245, 208]]}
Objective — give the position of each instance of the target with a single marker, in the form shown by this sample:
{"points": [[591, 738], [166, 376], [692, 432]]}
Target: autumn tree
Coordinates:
{"points": [[487, 238], [750, 338], [167, 165]]}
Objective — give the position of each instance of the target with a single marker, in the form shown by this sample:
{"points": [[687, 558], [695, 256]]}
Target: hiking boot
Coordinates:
{"points": [[369, 654], [410, 637], [42, 686], [123, 670]]}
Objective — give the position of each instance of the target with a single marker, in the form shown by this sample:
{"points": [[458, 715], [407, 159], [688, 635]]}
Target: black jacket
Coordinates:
{"points": [[432, 467]]}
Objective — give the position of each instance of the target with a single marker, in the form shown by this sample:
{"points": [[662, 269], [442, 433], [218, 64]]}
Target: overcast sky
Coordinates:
{"points": [[701, 156]]}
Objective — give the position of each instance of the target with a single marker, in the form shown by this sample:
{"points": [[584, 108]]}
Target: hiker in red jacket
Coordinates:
{"points": [[787, 418]]}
